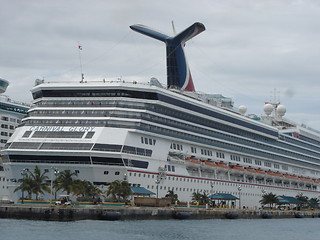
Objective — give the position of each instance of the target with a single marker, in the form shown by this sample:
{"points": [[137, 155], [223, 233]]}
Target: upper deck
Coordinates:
{"points": [[194, 103]]}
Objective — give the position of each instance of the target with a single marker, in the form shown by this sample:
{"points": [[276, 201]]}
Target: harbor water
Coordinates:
{"points": [[240, 229]]}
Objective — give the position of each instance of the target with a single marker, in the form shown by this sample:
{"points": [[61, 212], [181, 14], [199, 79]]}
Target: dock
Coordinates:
{"points": [[99, 212]]}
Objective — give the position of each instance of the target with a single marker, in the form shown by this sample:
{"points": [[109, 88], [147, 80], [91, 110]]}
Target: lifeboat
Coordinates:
{"points": [[210, 164], [260, 172], [237, 168], [251, 170], [222, 165], [274, 174], [291, 176], [192, 160]]}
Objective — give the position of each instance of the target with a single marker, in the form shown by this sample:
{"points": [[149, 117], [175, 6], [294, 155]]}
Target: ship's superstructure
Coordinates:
{"points": [[164, 139], [11, 113]]}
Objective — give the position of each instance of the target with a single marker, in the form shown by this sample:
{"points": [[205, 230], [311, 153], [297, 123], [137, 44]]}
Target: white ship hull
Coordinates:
{"points": [[141, 156]]}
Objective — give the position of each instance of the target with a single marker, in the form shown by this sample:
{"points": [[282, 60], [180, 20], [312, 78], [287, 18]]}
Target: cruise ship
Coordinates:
{"points": [[164, 137], [11, 113]]}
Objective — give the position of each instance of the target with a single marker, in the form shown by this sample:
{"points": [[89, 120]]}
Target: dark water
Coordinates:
{"points": [[259, 229]]}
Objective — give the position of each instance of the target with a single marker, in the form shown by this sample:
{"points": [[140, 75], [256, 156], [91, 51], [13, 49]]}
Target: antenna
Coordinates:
{"points": [[79, 50], [173, 28], [276, 96]]}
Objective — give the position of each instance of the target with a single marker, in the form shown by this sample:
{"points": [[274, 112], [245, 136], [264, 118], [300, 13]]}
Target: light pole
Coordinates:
{"points": [[263, 197], [211, 184], [157, 182], [239, 189], [56, 172], [211, 201], [23, 173]]}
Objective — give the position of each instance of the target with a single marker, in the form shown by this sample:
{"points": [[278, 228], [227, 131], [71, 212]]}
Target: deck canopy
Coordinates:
{"points": [[223, 196], [289, 200], [141, 191], [312, 201]]}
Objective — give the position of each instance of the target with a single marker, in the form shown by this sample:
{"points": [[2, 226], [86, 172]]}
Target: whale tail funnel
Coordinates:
{"points": [[178, 72]]}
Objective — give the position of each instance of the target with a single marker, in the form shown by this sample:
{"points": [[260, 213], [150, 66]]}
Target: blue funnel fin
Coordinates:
{"points": [[149, 32], [190, 32]]}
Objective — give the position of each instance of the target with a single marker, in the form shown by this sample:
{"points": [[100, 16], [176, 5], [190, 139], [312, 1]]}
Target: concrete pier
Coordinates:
{"points": [[97, 212]]}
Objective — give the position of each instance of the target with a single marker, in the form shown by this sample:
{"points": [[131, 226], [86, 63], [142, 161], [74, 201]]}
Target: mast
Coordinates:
{"points": [[80, 61]]}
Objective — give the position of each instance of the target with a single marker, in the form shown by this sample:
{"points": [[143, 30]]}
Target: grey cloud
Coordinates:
{"points": [[248, 49]]}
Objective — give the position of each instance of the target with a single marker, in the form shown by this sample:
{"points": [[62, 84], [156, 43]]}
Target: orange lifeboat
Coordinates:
{"points": [[210, 164], [291, 176], [259, 171], [251, 170], [237, 168], [189, 159], [221, 165]]}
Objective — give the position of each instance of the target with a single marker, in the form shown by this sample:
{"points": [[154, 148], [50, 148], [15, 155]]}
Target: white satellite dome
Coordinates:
{"points": [[242, 109], [268, 108], [281, 110]]}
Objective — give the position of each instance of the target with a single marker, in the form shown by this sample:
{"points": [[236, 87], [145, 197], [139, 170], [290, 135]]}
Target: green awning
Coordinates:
{"points": [[223, 196], [141, 191], [289, 200]]}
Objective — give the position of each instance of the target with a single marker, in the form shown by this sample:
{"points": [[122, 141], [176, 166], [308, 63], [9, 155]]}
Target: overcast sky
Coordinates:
{"points": [[250, 49]]}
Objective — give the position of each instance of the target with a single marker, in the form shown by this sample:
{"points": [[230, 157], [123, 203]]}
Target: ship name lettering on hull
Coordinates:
{"points": [[61, 129]]}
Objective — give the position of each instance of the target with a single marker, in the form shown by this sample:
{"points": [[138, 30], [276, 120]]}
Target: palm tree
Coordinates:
{"points": [[91, 190], [39, 182], [196, 197], [125, 190], [200, 198], [34, 182], [65, 181], [25, 186], [269, 198], [302, 198], [79, 188], [119, 190], [173, 196], [204, 198], [113, 190], [86, 189], [314, 202]]}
